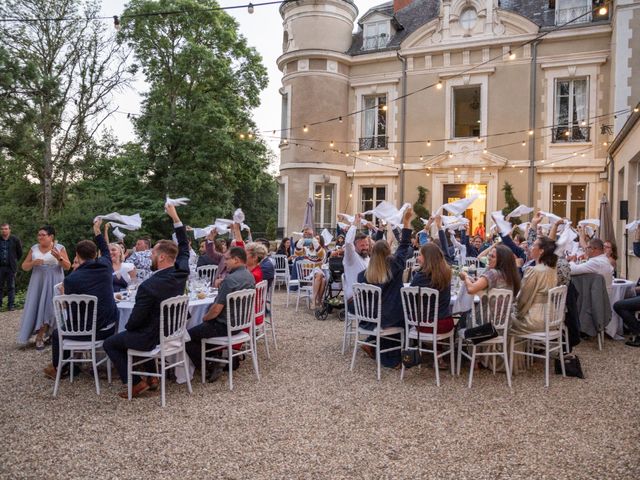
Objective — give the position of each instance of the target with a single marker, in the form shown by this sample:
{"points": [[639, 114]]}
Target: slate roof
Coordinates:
{"points": [[420, 12]]}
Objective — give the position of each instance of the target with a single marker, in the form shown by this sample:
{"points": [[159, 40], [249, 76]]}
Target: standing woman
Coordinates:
{"points": [[47, 260]]}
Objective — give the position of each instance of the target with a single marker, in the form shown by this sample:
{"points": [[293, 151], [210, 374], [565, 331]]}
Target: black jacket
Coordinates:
{"points": [[166, 283], [95, 277], [15, 252]]}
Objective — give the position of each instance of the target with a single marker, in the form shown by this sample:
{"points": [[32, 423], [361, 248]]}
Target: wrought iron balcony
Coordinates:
{"points": [[373, 143], [570, 134], [565, 15], [375, 42]]}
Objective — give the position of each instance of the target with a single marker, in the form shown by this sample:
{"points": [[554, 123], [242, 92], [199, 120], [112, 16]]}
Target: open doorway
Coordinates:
{"points": [[476, 213]]}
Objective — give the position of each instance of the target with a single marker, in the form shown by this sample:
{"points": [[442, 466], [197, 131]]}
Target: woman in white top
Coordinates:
{"points": [[47, 261], [123, 273]]}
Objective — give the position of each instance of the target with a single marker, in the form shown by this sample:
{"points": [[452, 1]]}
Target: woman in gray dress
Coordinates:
{"points": [[47, 261]]}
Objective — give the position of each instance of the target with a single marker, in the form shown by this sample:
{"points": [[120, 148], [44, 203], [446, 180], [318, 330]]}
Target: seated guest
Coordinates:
{"points": [[214, 323], [220, 253], [474, 247], [501, 272], [435, 273], [597, 263], [123, 272], [443, 242], [611, 251], [340, 241], [385, 271], [628, 307], [204, 258], [285, 249], [424, 235], [141, 256], [266, 264], [309, 247], [92, 277], [170, 262], [255, 256], [531, 301]]}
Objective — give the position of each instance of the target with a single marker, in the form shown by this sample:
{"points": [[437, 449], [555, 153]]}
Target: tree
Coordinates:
{"points": [[419, 209], [203, 82], [74, 67], [511, 202]]}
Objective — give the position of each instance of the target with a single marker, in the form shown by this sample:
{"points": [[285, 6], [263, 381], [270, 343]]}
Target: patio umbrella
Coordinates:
{"points": [[308, 215], [606, 232]]}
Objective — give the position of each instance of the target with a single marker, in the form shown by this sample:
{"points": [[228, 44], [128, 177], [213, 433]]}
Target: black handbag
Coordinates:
{"points": [[481, 333], [572, 367], [410, 357]]}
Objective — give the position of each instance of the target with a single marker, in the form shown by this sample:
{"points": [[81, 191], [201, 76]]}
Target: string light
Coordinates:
{"points": [[583, 123], [636, 109], [524, 143], [340, 119], [305, 129], [428, 143], [421, 158], [285, 141], [521, 170], [242, 136], [250, 135], [512, 56], [250, 8], [451, 156], [384, 108], [604, 144], [602, 10], [331, 144], [530, 132], [479, 140], [439, 85], [484, 150], [116, 23]]}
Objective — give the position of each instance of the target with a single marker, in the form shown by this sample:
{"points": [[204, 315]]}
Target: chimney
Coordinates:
{"points": [[400, 4]]}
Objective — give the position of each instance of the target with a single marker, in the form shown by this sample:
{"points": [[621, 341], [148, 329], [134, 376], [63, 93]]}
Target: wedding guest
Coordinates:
{"points": [[221, 257], [123, 273], [628, 307], [10, 254], [255, 255], [266, 264], [474, 246], [93, 276], [47, 260], [170, 262], [285, 249], [531, 301], [501, 272], [355, 259], [214, 323], [611, 251], [204, 258], [435, 273], [141, 256], [597, 263]]}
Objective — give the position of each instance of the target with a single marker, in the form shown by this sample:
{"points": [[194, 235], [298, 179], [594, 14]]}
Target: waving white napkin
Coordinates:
{"points": [[504, 227], [343, 226], [459, 206], [590, 221], [553, 218], [519, 210], [128, 222], [565, 241], [118, 234], [224, 224], [238, 216], [633, 226], [524, 227], [388, 212], [176, 202], [327, 236], [352, 218], [202, 232]]}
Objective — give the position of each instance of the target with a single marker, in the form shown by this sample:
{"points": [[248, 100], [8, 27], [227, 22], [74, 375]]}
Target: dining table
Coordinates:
{"points": [[620, 289]]}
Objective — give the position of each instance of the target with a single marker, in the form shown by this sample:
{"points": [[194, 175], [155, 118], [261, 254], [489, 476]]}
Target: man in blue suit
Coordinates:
{"points": [[92, 277], [171, 266]]}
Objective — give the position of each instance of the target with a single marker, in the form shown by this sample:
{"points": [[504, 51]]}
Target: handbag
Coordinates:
{"points": [[480, 333], [411, 357], [572, 367]]}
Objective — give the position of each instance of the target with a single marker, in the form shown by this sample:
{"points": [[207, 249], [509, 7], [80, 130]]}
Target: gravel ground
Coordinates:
{"points": [[310, 417]]}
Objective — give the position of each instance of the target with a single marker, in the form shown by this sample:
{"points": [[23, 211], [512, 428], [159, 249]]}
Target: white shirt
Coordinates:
{"points": [[352, 262], [599, 264]]}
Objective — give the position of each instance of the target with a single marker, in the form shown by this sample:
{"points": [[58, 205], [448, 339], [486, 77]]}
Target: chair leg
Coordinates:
{"points": [[203, 361], [378, 363], [298, 297], [546, 365], [459, 356], [600, 340], [473, 364], [347, 328], [564, 374], [58, 373], [187, 374], [355, 349], [162, 383], [507, 366], [95, 370], [109, 370], [272, 325], [254, 358], [230, 358], [129, 376], [266, 339], [436, 366], [452, 358]]}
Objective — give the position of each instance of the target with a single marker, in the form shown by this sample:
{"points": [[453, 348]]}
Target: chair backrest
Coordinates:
{"points": [[416, 253], [58, 289], [240, 310], [282, 264], [261, 298], [554, 312], [207, 271], [305, 270], [173, 318], [494, 307], [420, 305], [76, 314], [368, 303], [471, 261], [411, 263]]}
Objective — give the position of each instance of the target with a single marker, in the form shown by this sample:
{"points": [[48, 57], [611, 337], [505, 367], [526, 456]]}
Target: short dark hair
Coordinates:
{"points": [[49, 229], [86, 250], [548, 256], [264, 242], [360, 236], [239, 253], [596, 244], [168, 248], [146, 240]]}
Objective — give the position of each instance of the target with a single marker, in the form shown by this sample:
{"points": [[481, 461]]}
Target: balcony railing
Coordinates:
{"points": [[373, 143], [570, 134], [565, 15], [375, 42]]}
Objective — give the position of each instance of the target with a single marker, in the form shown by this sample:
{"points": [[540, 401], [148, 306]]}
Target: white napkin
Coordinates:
{"points": [[224, 224], [553, 218], [388, 212], [519, 210], [296, 234], [238, 216], [524, 227], [424, 220], [352, 218], [504, 227], [176, 202], [327, 236], [633, 226], [128, 222], [545, 226], [202, 232], [118, 234], [459, 206], [343, 226], [590, 221], [565, 241]]}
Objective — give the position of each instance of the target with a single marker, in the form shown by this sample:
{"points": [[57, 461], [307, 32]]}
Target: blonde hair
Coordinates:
{"points": [[378, 271], [257, 250], [120, 249]]}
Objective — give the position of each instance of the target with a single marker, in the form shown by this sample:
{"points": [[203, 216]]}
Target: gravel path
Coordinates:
{"points": [[310, 417]]}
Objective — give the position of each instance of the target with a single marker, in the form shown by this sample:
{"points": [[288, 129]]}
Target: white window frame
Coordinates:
{"points": [[376, 200], [332, 214], [376, 30], [569, 201], [376, 124], [453, 109], [390, 89], [566, 13], [570, 125], [466, 80]]}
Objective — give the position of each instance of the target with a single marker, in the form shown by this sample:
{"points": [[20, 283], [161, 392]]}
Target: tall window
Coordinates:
{"points": [[374, 123], [284, 123], [371, 197], [376, 35], [466, 111], [323, 205], [569, 201], [571, 112], [578, 11]]}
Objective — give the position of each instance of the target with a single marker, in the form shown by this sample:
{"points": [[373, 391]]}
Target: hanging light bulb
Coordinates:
{"points": [[250, 135], [604, 144], [346, 154], [512, 56], [583, 123], [636, 109], [439, 85], [530, 132], [524, 144], [484, 168], [484, 151], [331, 144], [116, 23], [350, 195], [421, 158], [242, 136], [305, 129], [451, 155], [286, 142], [384, 108], [340, 119], [521, 170], [602, 10], [479, 140], [250, 8], [428, 143]]}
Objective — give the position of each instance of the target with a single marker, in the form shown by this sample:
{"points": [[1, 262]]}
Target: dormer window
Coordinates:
{"points": [[468, 18], [376, 35]]}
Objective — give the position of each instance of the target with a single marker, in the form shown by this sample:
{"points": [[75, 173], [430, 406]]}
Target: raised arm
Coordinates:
{"points": [[182, 260], [404, 251], [105, 257]]}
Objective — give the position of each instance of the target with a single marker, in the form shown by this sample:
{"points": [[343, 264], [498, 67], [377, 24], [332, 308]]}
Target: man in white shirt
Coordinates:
{"points": [[356, 256], [597, 263]]}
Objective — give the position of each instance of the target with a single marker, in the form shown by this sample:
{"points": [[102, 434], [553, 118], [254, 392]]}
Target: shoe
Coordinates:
{"points": [[236, 363], [50, 372], [153, 382], [369, 350], [633, 341], [138, 389], [214, 374]]}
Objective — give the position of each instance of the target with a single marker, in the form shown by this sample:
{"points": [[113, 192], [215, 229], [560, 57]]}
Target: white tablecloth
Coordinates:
{"points": [[621, 289]]}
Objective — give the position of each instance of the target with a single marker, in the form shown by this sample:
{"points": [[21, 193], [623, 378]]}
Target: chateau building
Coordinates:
{"points": [[456, 96]]}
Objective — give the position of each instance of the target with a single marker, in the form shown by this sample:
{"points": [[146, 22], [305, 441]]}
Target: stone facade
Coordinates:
{"points": [[344, 126]]}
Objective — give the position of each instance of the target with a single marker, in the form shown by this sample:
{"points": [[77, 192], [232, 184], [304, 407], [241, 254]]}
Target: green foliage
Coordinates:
{"points": [[511, 202], [420, 210]]}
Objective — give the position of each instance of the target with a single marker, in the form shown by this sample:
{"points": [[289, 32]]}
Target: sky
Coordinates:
{"points": [[263, 30]]}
